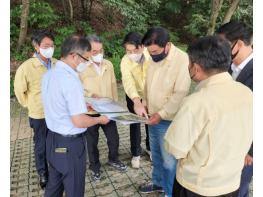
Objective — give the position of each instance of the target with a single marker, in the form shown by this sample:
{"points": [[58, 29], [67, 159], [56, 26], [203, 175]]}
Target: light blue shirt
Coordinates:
{"points": [[47, 65], [63, 97]]}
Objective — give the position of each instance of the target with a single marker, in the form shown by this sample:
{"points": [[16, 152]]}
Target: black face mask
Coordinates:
{"points": [[234, 55], [159, 57], [191, 75]]}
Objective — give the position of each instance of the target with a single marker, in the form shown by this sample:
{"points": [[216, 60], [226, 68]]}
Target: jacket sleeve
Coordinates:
{"points": [[20, 86], [128, 81], [180, 90], [114, 85]]}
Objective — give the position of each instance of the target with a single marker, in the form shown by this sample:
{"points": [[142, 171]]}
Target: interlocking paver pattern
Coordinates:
{"points": [[24, 179]]}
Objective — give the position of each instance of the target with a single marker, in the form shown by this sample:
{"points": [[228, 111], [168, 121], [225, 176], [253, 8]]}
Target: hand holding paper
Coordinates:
{"points": [[154, 119], [103, 120], [114, 111], [139, 108]]}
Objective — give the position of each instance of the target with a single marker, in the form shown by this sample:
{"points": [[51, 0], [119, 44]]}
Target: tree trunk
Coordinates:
{"points": [[23, 24], [216, 7], [84, 5], [70, 10], [231, 11], [90, 8], [64, 8]]}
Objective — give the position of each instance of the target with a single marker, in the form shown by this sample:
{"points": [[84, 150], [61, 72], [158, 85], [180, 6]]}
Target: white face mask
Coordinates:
{"points": [[97, 58], [82, 67], [47, 53], [135, 57]]}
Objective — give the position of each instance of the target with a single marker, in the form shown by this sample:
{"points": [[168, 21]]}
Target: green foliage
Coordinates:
{"points": [[198, 15], [116, 60], [112, 43], [174, 6], [113, 49], [85, 28], [41, 15], [199, 11], [199, 25], [60, 35], [182, 46], [26, 52], [244, 12], [173, 37], [138, 14]]}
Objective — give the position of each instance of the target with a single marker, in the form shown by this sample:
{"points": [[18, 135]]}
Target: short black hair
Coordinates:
{"points": [[75, 44], [39, 35], [211, 53], [133, 38], [156, 35], [235, 30]]}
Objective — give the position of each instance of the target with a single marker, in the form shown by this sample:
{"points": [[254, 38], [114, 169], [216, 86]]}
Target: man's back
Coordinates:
{"points": [[219, 132]]}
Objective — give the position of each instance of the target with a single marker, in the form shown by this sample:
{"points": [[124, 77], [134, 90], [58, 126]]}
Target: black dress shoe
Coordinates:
{"points": [[43, 180]]}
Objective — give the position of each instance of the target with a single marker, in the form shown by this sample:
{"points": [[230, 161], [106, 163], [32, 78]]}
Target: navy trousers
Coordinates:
{"points": [[135, 132], [67, 165], [111, 133], [246, 176], [40, 133]]}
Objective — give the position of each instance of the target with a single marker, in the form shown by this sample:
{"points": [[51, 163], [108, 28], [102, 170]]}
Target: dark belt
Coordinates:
{"points": [[69, 136]]}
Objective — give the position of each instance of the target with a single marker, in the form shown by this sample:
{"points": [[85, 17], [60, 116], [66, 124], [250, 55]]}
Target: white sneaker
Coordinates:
{"points": [[135, 162], [149, 153]]}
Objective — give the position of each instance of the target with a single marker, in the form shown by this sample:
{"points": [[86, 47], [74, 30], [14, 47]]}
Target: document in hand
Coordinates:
{"points": [[114, 111]]}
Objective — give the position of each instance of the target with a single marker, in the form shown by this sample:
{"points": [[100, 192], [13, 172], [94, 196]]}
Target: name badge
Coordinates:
{"points": [[61, 150]]}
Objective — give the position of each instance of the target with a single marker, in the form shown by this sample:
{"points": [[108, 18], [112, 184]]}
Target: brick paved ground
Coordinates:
{"points": [[24, 179]]}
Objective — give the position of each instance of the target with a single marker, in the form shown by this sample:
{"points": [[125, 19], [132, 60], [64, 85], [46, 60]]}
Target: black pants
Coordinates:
{"points": [[40, 134], [111, 133], [135, 132], [180, 191], [66, 168]]}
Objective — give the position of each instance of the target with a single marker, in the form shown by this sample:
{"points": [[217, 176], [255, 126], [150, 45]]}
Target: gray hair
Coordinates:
{"points": [[75, 44], [94, 38]]}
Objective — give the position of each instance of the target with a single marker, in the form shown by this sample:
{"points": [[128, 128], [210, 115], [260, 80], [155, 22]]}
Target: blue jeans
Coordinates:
{"points": [[164, 164], [246, 176]]}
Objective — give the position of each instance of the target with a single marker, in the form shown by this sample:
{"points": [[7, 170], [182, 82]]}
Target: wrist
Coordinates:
{"points": [[136, 100], [98, 120]]}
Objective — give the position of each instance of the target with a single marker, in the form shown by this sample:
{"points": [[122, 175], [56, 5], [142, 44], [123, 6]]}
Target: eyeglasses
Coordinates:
{"points": [[83, 57]]}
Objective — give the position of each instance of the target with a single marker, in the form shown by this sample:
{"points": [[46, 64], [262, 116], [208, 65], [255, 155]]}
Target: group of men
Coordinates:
{"points": [[200, 144]]}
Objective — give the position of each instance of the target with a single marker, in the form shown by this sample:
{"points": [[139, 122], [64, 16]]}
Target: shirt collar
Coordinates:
{"points": [[242, 65], [64, 66], [171, 52], [47, 65], [169, 57], [214, 79]]}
